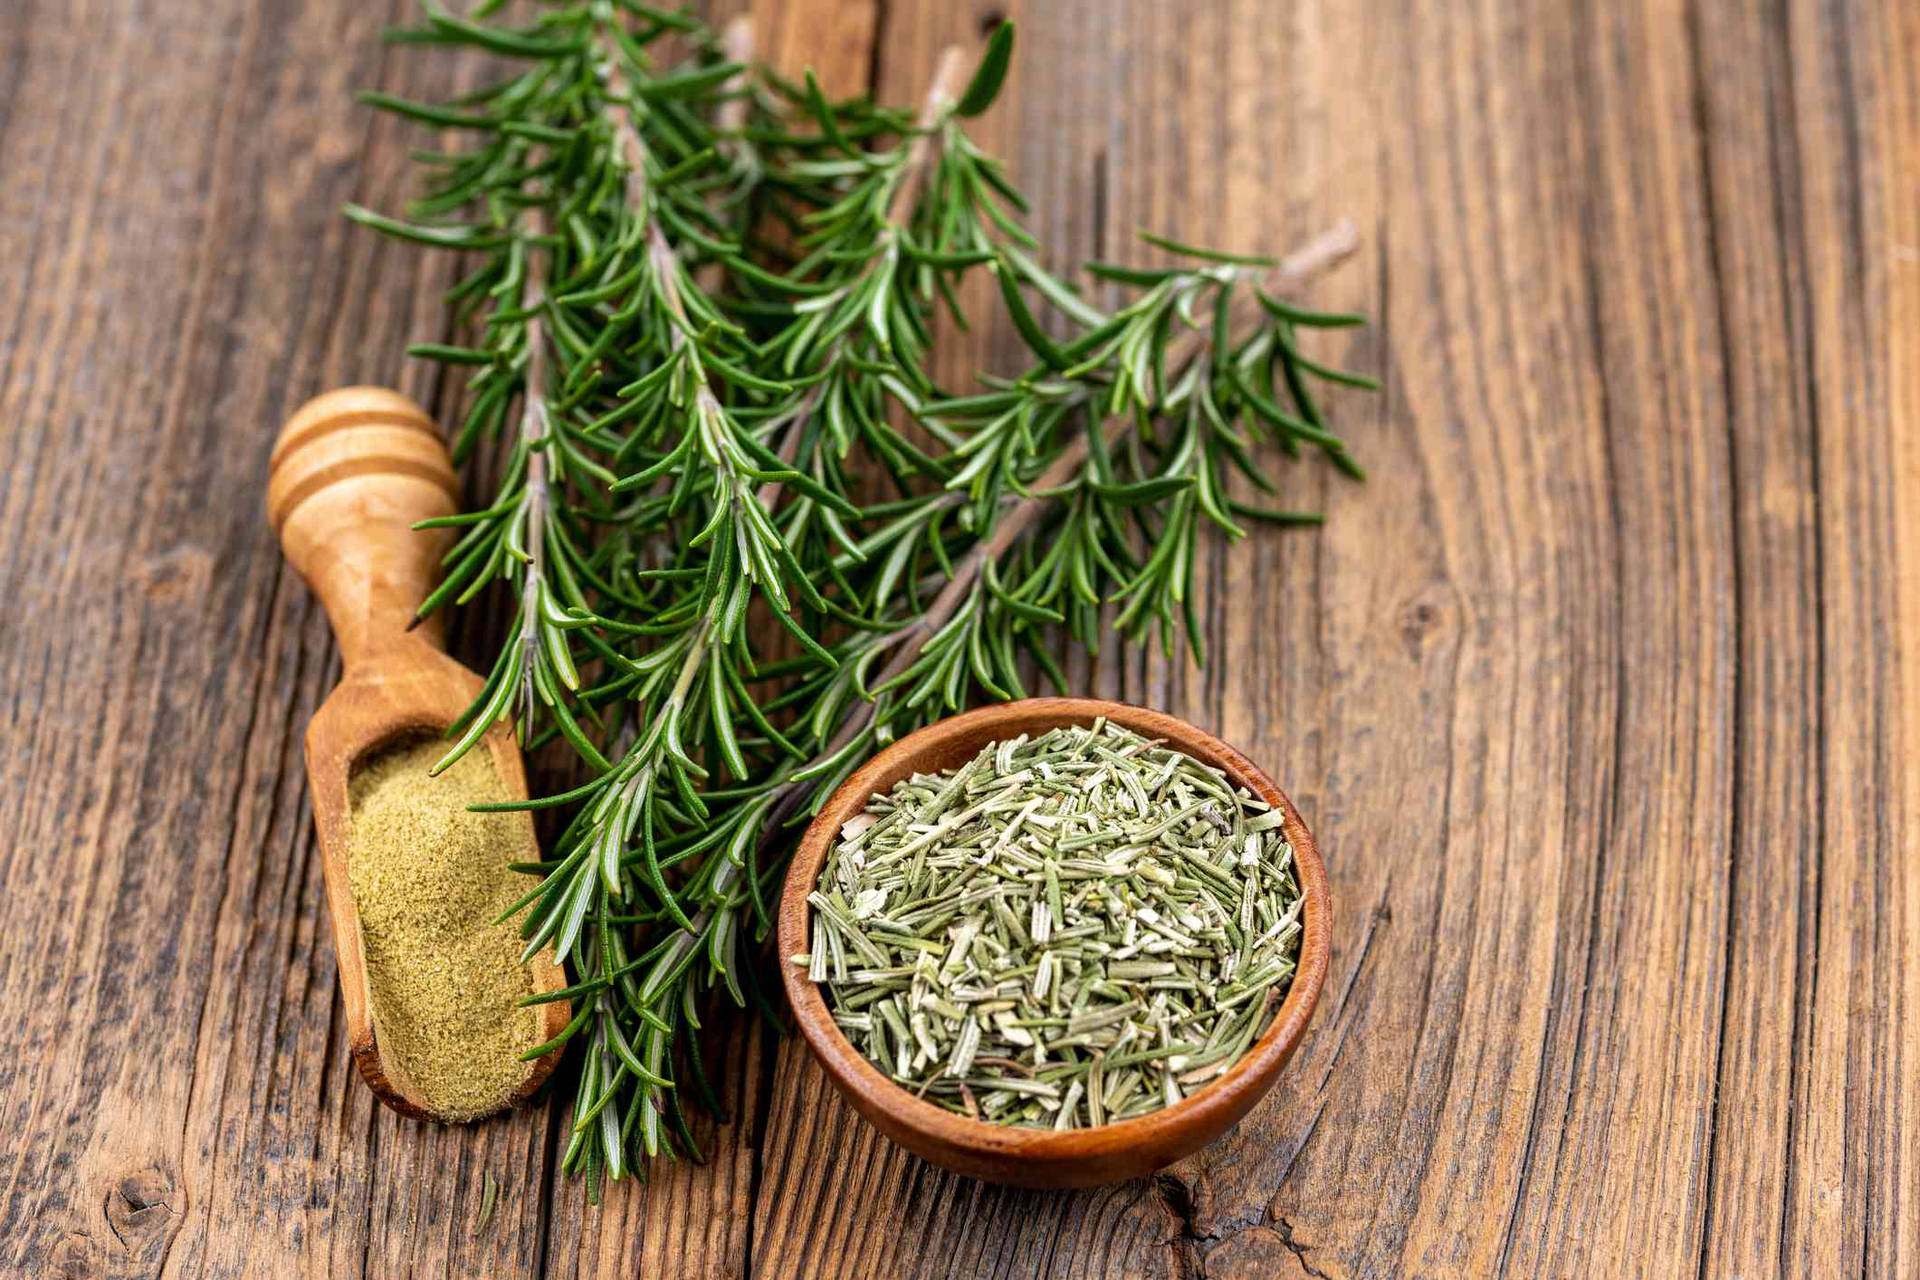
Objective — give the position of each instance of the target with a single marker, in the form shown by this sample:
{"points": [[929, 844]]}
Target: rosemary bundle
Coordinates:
{"points": [[1062, 932], [745, 534]]}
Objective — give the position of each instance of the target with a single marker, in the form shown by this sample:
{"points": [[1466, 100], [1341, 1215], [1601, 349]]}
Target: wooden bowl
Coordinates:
{"points": [[1045, 1157]]}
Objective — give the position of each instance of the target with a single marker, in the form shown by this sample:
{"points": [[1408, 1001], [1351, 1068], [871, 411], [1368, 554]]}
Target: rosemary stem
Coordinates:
{"points": [[696, 658], [633, 150], [1319, 255], [934, 110], [665, 264], [736, 45], [533, 430], [933, 113], [1313, 260], [921, 154]]}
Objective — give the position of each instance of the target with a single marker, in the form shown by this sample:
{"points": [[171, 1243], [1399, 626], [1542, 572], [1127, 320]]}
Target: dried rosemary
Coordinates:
{"points": [[1062, 932]]}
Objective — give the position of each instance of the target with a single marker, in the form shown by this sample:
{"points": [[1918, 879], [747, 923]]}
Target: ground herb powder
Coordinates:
{"points": [[429, 878]]}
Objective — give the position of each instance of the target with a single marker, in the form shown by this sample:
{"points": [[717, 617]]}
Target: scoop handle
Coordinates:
{"points": [[352, 472]]}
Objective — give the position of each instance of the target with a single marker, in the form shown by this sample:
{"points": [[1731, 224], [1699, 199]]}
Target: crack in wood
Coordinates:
{"points": [[1298, 1250]]}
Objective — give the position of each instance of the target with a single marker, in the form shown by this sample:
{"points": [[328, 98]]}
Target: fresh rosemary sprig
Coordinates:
{"points": [[704, 313]]}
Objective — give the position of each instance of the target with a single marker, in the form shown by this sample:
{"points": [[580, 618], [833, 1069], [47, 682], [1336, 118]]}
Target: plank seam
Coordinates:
{"points": [[1701, 113], [1807, 935]]}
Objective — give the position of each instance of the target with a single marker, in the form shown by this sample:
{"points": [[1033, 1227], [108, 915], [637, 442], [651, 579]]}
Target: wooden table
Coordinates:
{"points": [[1601, 695]]}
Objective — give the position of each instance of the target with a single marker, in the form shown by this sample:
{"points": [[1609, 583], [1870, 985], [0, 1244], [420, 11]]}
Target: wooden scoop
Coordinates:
{"points": [[352, 471]]}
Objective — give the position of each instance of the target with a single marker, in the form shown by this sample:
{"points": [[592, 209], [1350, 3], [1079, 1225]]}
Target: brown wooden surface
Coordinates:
{"points": [[1600, 696]]}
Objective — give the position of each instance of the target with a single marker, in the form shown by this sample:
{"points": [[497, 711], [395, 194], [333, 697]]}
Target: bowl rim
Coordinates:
{"points": [[1216, 1105]]}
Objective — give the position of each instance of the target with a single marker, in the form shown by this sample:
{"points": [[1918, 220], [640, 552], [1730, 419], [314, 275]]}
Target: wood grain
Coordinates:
{"points": [[1598, 694], [1854, 1172]]}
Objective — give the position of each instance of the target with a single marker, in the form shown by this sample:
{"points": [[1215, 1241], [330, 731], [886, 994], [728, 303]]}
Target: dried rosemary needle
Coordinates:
{"points": [[1065, 931]]}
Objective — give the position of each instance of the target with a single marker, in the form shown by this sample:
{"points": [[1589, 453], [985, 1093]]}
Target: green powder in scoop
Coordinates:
{"points": [[429, 879]]}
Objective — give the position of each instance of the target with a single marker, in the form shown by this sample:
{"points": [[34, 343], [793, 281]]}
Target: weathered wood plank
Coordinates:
{"points": [[1078, 128], [1852, 1160], [1477, 745], [688, 1219], [1460, 660], [1752, 174], [178, 1099], [1630, 1158]]}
